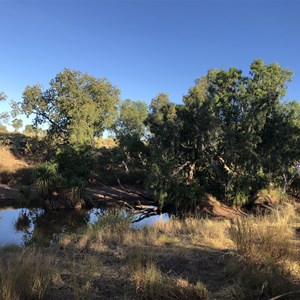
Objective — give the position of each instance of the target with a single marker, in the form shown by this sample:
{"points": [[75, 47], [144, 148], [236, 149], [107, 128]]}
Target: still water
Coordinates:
{"points": [[24, 226]]}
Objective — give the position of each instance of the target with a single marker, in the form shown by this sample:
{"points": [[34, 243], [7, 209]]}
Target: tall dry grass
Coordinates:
{"points": [[260, 254], [190, 231], [267, 236], [267, 260], [151, 283], [24, 273]]}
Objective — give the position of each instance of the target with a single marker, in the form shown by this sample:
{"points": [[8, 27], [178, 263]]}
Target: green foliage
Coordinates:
{"points": [[4, 116], [74, 161], [32, 130], [131, 119], [74, 190], [17, 124], [130, 132], [76, 106], [24, 193], [66, 174], [46, 178], [2, 96], [230, 138]]}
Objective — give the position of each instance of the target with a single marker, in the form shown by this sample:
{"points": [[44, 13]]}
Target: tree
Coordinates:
{"points": [[29, 129], [131, 119], [2, 96], [219, 140], [130, 130], [76, 106], [164, 127], [280, 145], [3, 128], [17, 124], [4, 116]]}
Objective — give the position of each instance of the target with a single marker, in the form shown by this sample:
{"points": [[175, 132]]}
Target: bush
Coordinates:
{"points": [[74, 162], [46, 178]]}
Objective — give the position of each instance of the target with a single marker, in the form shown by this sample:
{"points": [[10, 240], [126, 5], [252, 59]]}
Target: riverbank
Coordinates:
{"points": [[96, 196], [250, 258]]}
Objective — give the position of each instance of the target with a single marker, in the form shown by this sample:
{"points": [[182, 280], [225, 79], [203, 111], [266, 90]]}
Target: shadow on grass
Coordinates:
{"points": [[105, 270], [19, 176], [224, 274]]}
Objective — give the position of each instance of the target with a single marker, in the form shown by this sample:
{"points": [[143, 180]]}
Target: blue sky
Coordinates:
{"points": [[144, 47]]}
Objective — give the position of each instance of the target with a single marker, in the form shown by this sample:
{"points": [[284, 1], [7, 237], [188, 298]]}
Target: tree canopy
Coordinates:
{"points": [[220, 141], [130, 132], [17, 124], [231, 136], [76, 106], [4, 116], [131, 119]]}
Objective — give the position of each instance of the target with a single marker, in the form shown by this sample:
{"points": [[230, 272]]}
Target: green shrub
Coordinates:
{"points": [[46, 177], [24, 193]]}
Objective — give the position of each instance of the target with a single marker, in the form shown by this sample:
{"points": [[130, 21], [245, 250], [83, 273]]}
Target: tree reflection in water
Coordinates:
{"points": [[45, 227]]}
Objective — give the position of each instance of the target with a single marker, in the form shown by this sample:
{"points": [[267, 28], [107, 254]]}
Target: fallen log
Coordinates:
{"points": [[210, 206]]}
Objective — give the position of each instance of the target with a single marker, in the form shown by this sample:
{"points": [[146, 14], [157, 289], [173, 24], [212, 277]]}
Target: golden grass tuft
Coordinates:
{"points": [[151, 283], [267, 260], [264, 237], [197, 231], [24, 273], [8, 162]]}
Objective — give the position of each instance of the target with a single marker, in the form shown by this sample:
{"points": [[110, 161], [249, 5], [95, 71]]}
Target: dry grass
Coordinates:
{"points": [[24, 273], [101, 143], [151, 283], [13, 169], [267, 261], [265, 237], [9, 162], [193, 231], [250, 258]]}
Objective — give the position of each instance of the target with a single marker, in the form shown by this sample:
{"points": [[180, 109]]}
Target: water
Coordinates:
{"points": [[24, 226]]}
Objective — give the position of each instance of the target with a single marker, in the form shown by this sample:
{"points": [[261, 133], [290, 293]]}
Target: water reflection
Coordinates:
{"points": [[26, 226]]}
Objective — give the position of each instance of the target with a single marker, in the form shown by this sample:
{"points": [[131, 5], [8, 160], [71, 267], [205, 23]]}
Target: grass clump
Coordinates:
{"points": [[111, 227], [115, 219], [267, 256], [197, 231], [24, 273], [264, 237], [46, 177], [151, 283]]}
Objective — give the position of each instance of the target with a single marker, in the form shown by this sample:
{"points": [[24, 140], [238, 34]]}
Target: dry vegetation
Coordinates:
{"points": [[10, 166], [249, 258], [102, 143]]}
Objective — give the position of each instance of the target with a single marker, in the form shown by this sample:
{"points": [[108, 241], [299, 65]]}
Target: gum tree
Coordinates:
{"points": [[226, 137], [76, 106]]}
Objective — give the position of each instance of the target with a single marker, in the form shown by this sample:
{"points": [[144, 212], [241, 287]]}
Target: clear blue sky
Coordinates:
{"points": [[144, 47]]}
